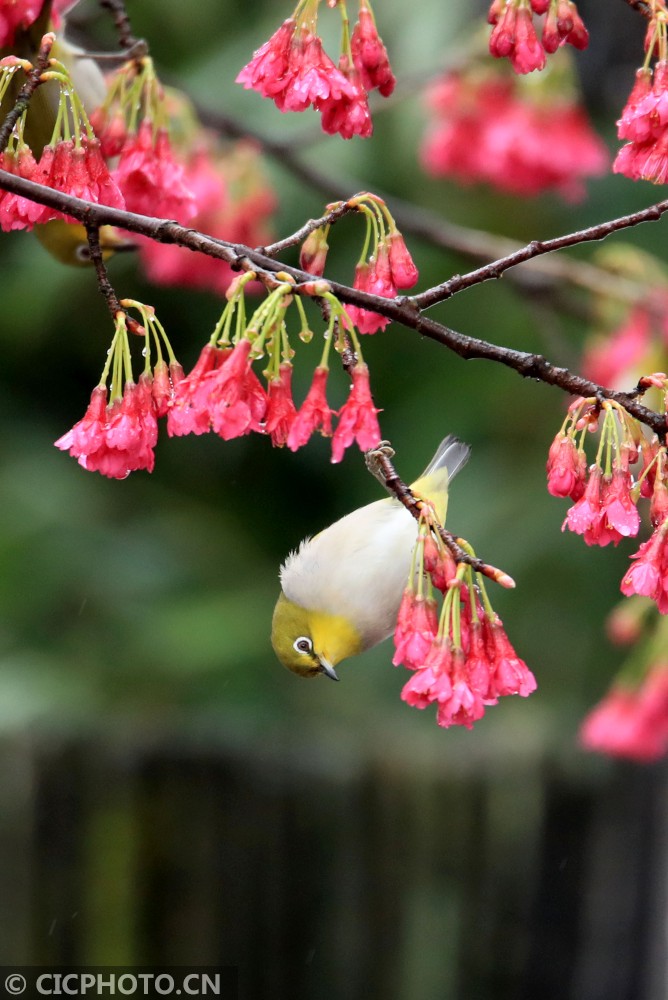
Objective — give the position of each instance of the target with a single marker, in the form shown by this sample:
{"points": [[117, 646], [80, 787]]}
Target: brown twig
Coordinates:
{"points": [[641, 6], [335, 212], [379, 463], [33, 80], [402, 310], [412, 220], [134, 46], [105, 286], [439, 293]]}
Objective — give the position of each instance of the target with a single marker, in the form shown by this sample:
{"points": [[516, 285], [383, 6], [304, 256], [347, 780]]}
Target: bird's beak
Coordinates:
{"points": [[328, 670]]}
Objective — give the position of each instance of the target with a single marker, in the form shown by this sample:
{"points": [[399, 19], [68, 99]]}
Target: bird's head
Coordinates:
{"points": [[67, 242], [311, 643]]}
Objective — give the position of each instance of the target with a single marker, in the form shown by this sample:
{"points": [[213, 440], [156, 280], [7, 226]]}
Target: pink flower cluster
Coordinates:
{"points": [[606, 511], [219, 191], [462, 680], [462, 663], [631, 721], [147, 177], [391, 267], [293, 69], [490, 129], [223, 394], [648, 576], [605, 508], [79, 170], [16, 15], [151, 178], [644, 123], [619, 358], [234, 203], [118, 438], [19, 15], [514, 34]]}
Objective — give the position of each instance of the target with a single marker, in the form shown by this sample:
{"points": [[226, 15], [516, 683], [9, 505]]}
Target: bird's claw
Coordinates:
{"points": [[374, 460]]}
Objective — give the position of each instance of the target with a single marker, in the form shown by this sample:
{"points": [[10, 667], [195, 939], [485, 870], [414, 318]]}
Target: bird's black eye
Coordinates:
{"points": [[82, 253], [303, 644]]}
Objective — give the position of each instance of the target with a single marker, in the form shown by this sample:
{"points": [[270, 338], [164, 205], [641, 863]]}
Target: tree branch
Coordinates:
{"points": [[439, 293], [402, 310], [24, 97], [136, 48], [336, 212], [641, 6], [379, 464], [437, 232], [105, 286]]}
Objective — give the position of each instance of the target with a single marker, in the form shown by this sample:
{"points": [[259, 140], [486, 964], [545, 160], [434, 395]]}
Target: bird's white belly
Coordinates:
{"points": [[356, 568]]}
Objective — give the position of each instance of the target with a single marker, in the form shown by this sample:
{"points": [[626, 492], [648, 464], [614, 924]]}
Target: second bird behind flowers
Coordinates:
{"points": [[341, 590]]}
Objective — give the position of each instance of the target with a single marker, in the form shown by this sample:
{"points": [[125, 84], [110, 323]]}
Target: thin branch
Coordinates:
{"points": [[402, 310], [24, 97], [379, 464], [439, 293], [105, 286], [336, 212], [641, 6], [438, 232], [134, 46]]}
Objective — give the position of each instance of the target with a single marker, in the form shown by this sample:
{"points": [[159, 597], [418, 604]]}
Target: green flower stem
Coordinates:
{"points": [[305, 329], [446, 615], [110, 356], [329, 337], [345, 32]]}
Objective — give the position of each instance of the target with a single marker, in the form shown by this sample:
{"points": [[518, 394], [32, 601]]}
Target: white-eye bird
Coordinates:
{"points": [[67, 242], [341, 589]]}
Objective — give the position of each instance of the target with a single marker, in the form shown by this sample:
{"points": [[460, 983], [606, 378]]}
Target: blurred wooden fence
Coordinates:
{"points": [[360, 880]]}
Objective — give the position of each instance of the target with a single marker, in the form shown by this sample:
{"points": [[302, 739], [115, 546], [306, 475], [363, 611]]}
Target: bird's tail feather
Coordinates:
{"points": [[452, 454]]}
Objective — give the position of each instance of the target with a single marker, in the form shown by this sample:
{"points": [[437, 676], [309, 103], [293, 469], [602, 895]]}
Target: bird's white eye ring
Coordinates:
{"points": [[303, 644], [82, 252]]}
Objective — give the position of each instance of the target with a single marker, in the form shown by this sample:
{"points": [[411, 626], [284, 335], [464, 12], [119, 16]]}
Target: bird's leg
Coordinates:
{"points": [[378, 462]]}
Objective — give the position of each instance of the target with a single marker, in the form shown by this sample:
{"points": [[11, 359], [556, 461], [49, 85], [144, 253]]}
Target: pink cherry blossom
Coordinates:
{"points": [[358, 419], [314, 413]]}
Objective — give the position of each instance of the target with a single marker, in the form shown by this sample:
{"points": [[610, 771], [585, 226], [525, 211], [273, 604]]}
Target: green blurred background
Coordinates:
{"points": [[169, 793]]}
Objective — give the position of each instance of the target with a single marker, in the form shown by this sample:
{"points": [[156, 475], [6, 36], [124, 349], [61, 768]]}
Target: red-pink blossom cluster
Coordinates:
{"points": [[118, 438], [514, 34], [606, 502], [462, 662], [390, 268], [234, 203], [632, 720], [76, 169], [491, 129], [619, 358], [223, 394], [648, 576], [151, 178], [606, 511], [293, 69], [385, 265], [219, 191], [18, 15], [644, 123], [132, 125]]}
